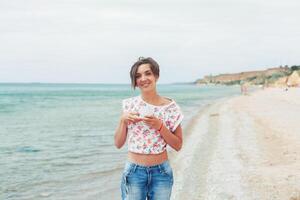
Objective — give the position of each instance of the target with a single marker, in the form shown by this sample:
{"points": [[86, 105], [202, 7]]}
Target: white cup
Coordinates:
{"points": [[146, 111]]}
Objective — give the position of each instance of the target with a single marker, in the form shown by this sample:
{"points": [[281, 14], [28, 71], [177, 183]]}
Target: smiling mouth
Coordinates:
{"points": [[145, 85]]}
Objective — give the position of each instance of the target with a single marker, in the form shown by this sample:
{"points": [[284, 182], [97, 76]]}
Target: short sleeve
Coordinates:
{"points": [[125, 105], [174, 117]]}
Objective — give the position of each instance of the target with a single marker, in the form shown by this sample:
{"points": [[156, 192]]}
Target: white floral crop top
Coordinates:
{"points": [[143, 139]]}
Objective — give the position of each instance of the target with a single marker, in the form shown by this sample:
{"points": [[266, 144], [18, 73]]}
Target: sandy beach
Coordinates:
{"points": [[245, 148]]}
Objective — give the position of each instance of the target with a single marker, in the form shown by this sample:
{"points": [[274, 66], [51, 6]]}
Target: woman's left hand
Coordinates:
{"points": [[152, 121]]}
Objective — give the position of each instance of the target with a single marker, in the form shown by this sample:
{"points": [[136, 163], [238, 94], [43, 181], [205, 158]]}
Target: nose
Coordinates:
{"points": [[143, 77]]}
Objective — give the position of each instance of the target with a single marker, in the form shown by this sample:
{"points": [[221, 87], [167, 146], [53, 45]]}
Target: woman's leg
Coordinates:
{"points": [[161, 183], [134, 183]]}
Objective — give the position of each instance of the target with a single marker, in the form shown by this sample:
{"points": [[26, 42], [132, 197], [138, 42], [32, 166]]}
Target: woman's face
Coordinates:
{"points": [[145, 79]]}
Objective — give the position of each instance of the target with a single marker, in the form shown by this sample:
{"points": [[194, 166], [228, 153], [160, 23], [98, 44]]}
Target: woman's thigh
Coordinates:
{"points": [[134, 184], [161, 183]]}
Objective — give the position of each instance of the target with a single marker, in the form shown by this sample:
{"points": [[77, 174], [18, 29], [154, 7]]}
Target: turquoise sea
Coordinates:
{"points": [[57, 139]]}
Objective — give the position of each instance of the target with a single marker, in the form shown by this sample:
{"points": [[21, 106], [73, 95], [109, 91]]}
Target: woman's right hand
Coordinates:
{"points": [[132, 117]]}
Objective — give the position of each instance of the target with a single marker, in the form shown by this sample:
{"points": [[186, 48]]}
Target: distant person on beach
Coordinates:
{"points": [[150, 122], [243, 88], [266, 84]]}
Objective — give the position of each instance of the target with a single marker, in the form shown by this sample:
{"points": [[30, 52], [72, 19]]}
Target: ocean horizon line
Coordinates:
{"points": [[85, 83]]}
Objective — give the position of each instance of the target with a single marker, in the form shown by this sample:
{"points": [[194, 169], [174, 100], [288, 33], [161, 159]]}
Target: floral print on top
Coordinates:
{"points": [[143, 139]]}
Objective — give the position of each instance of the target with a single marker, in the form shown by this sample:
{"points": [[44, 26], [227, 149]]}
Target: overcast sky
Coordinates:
{"points": [[97, 41]]}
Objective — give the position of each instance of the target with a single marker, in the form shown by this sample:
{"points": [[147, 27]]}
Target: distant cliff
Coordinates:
{"points": [[269, 76]]}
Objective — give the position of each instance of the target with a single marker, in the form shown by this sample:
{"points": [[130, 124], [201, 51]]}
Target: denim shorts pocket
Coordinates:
{"points": [[166, 169], [128, 169]]}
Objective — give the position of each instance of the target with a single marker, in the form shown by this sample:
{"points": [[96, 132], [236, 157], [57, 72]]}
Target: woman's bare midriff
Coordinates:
{"points": [[147, 159]]}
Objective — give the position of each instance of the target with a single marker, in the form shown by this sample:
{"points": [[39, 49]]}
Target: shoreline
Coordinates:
{"points": [[243, 147]]}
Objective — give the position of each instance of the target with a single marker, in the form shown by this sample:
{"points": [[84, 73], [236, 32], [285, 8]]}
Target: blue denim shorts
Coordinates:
{"points": [[147, 182]]}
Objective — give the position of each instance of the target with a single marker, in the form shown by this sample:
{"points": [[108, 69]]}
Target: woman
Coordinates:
{"points": [[151, 122]]}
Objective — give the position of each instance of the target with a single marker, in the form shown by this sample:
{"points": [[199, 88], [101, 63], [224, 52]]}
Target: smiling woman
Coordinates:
{"points": [[151, 122], [147, 67]]}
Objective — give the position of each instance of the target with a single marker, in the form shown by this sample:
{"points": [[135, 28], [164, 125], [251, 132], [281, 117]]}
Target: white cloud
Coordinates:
{"points": [[91, 40]]}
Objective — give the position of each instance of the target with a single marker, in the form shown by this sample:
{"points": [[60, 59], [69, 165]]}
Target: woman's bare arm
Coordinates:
{"points": [[172, 139], [121, 134], [121, 131]]}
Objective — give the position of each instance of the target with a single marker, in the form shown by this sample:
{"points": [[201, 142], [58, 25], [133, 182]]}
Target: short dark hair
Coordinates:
{"points": [[153, 65]]}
